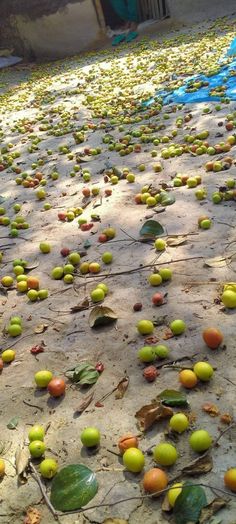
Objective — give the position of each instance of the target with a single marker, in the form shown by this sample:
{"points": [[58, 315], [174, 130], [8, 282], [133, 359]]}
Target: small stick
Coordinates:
{"points": [[223, 433], [32, 405], [43, 491]]}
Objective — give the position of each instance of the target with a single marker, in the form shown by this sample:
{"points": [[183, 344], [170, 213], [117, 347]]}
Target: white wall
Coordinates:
{"points": [[188, 11]]}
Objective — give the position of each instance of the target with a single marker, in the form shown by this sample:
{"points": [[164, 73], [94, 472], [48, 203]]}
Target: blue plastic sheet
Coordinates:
{"points": [[225, 75]]}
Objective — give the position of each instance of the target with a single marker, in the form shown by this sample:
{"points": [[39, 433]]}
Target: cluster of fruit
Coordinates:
{"points": [[32, 181], [98, 294], [185, 180], [48, 467], [16, 224], [56, 386], [25, 284]]}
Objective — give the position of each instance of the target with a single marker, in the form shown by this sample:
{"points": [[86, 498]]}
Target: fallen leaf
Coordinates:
{"points": [[122, 387], [99, 405], [200, 465], [226, 418], [176, 241], [166, 505], [101, 316], [83, 374], [168, 334], [33, 266], [80, 307], [171, 397], [216, 262], [41, 328], [212, 508], [13, 423], [33, 516], [151, 413], [84, 403], [151, 229], [152, 339], [22, 457], [212, 409]]}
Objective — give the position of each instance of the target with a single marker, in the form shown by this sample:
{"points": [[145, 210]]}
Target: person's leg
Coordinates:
{"points": [[133, 11], [121, 9]]}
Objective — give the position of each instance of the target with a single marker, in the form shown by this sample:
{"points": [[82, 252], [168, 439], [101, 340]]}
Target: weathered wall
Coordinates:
{"points": [[188, 11], [65, 31]]}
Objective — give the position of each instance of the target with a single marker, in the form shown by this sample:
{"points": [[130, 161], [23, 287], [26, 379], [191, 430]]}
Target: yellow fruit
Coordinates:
{"points": [[8, 355], [2, 468], [174, 492]]}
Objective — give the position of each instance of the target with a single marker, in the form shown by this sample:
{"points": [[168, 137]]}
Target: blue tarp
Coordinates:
{"points": [[225, 75]]}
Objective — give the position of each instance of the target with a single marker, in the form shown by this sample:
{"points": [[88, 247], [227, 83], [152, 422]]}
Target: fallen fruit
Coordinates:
{"points": [[174, 492], [56, 387], [165, 454], [230, 479], [8, 355], [200, 440], [147, 354], [126, 442], [90, 437], [37, 448], [107, 257], [188, 378], [48, 468], [2, 468], [161, 351], [145, 327], [36, 433], [150, 373], [155, 480], [212, 337], [45, 247], [42, 378], [133, 460], [229, 298], [179, 422], [203, 370], [157, 299], [155, 279], [177, 327], [97, 295], [14, 330]]}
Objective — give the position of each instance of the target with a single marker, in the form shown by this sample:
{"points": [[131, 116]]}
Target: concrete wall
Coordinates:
{"points": [[188, 11], [67, 31]]}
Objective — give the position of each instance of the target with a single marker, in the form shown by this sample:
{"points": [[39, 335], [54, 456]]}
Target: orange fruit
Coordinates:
{"points": [[155, 480], [213, 337], [230, 479], [126, 442], [188, 378], [33, 283]]}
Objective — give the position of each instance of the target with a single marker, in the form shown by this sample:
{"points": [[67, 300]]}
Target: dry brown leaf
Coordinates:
{"points": [[151, 413], [41, 328], [122, 387], [21, 459], [176, 241], [200, 465], [212, 508], [226, 418], [166, 505], [216, 262], [115, 521], [168, 334], [33, 516], [84, 403], [152, 339], [212, 409]]}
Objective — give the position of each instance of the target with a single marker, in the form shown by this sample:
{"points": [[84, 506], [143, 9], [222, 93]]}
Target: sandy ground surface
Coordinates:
{"points": [[115, 81]]}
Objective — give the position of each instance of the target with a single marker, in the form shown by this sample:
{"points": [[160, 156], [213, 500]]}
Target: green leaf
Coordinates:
{"points": [[73, 487], [87, 244], [171, 397], [13, 423], [89, 377], [151, 229], [189, 504], [83, 374], [101, 316], [167, 199]]}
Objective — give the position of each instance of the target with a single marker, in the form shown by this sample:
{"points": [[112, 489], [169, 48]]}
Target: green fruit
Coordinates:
{"points": [[48, 468], [42, 378], [229, 299], [104, 287], [32, 295], [97, 295], [191, 182], [7, 281], [151, 201], [42, 294], [107, 257], [179, 422], [68, 278], [37, 448], [134, 460], [16, 320], [90, 437], [178, 327], [200, 440], [44, 247], [161, 351], [205, 224], [203, 370], [36, 433], [14, 330], [147, 354], [18, 270], [57, 273], [165, 454], [160, 244], [68, 269], [74, 258], [155, 279], [216, 198], [145, 327], [166, 273]]}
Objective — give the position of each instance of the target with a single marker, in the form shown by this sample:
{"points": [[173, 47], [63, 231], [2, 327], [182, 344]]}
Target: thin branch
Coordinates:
{"points": [[223, 433], [32, 405], [43, 491]]}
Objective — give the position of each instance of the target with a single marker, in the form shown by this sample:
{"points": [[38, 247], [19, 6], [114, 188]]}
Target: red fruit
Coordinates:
{"points": [[2, 167], [86, 192], [56, 387], [39, 176], [157, 299], [126, 442], [99, 367], [106, 179], [87, 150], [229, 126], [108, 192], [86, 227], [155, 480], [102, 238], [137, 148], [213, 337], [150, 373], [65, 251], [1, 364], [62, 215], [137, 198]]}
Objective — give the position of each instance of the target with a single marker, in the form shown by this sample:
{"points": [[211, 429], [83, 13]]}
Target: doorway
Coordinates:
{"points": [[148, 10]]}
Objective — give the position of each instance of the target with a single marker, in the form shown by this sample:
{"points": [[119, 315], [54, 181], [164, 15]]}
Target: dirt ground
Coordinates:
{"points": [[114, 82]]}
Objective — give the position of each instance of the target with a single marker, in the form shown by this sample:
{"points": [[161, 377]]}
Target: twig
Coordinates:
{"points": [[143, 497], [170, 362], [32, 405], [43, 491], [223, 433], [14, 343]]}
